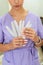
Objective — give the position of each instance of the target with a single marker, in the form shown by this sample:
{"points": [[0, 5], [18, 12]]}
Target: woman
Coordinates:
{"points": [[20, 32]]}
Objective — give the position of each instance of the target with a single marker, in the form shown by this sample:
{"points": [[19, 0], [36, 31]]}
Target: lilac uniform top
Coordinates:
{"points": [[26, 55]]}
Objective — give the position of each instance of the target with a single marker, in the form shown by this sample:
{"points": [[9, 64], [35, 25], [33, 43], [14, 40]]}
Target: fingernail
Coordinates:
{"points": [[26, 40], [24, 45]]}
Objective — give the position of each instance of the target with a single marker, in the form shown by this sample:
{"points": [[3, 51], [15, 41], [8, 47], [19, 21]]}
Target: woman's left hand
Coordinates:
{"points": [[30, 34]]}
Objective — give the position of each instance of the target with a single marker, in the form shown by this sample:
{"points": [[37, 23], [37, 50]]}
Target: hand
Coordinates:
{"points": [[18, 42], [30, 34]]}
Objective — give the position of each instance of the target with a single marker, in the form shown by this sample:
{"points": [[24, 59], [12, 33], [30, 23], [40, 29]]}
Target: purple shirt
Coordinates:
{"points": [[21, 56]]}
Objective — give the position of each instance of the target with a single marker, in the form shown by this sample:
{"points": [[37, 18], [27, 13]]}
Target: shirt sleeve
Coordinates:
{"points": [[1, 32], [40, 28]]}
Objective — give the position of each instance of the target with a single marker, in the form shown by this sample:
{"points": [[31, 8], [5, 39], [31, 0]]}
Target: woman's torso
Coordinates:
{"points": [[19, 55]]}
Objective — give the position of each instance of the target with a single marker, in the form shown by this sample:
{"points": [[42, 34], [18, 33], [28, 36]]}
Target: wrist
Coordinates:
{"points": [[38, 40], [9, 46], [38, 43]]}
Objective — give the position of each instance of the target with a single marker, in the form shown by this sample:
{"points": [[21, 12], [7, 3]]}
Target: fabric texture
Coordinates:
{"points": [[26, 55]]}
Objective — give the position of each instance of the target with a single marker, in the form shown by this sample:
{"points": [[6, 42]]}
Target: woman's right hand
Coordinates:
{"points": [[15, 43], [18, 42]]}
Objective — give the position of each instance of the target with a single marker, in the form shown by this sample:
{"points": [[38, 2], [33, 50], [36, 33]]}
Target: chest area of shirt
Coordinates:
{"points": [[12, 29]]}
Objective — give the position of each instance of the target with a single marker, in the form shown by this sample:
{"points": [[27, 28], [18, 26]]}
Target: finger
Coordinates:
{"points": [[30, 29], [19, 39], [19, 46], [29, 35], [30, 32], [22, 42], [25, 42]]}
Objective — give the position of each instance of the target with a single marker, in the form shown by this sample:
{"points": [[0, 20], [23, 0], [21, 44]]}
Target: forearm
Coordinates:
{"points": [[5, 47]]}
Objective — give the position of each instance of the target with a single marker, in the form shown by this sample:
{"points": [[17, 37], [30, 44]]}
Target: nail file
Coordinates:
{"points": [[23, 25], [28, 25], [13, 28], [16, 26], [20, 27], [10, 31]]}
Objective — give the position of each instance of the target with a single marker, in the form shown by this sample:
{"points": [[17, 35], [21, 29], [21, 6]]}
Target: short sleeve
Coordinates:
{"points": [[1, 32], [40, 28]]}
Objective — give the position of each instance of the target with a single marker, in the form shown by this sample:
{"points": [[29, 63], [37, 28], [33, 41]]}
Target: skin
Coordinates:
{"points": [[31, 34], [18, 12]]}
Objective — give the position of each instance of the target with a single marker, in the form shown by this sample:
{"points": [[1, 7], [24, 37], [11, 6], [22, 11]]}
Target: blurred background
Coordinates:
{"points": [[35, 6]]}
